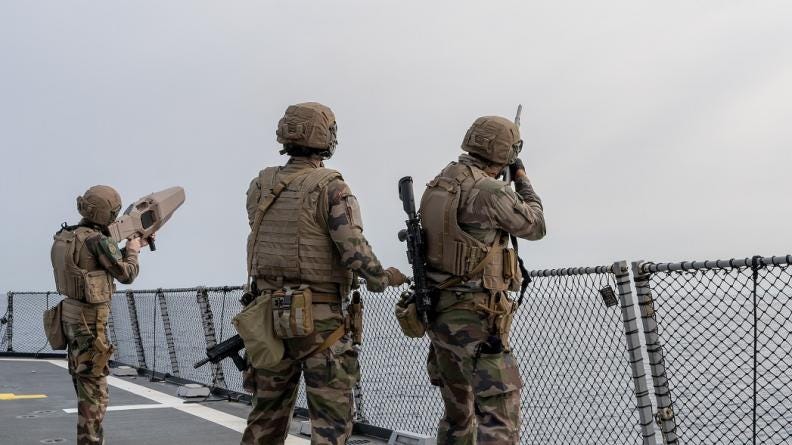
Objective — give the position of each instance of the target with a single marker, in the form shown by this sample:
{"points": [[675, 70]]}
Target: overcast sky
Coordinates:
{"points": [[654, 130]]}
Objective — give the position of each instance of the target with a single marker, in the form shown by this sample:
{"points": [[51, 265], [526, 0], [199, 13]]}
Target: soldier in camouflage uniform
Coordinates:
{"points": [[311, 236], [467, 215], [85, 262]]}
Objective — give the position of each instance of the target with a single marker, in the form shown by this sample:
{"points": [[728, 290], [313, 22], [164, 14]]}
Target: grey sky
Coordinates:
{"points": [[656, 130]]}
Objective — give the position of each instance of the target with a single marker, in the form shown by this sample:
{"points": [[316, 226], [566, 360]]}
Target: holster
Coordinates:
{"points": [[354, 319]]}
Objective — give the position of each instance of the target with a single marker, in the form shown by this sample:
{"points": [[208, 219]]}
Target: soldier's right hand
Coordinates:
{"points": [[395, 277], [517, 169], [135, 244]]}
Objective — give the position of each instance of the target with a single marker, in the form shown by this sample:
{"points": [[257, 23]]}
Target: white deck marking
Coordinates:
{"points": [[125, 407], [204, 412]]}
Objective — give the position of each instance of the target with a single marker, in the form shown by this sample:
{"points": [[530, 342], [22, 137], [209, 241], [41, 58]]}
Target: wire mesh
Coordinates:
{"points": [[573, 359], [726, 344], [123, 337], [28, 329]]}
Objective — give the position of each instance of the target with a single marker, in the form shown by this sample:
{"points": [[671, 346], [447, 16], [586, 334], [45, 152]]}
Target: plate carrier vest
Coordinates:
{"points": [[88, 286]]}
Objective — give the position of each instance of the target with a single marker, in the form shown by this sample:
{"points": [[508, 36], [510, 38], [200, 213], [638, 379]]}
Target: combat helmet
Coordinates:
{"points": [[100, 205], [493, 138], [311, 125]]}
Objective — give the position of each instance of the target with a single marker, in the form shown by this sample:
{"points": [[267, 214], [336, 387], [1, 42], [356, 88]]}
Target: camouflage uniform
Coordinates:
{"points": [[330, 374], [469, 359], [84, 323]]}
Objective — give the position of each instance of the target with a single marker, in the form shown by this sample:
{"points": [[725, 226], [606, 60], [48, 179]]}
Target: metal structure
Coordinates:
{"points": [[715, 337]]}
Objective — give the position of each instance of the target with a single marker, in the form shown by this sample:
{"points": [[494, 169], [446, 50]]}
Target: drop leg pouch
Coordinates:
{"points": [[255, 327]]}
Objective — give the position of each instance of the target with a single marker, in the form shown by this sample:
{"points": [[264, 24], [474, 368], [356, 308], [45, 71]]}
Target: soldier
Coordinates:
{"points": [[85, 262], [467, 215], [310, 238]]}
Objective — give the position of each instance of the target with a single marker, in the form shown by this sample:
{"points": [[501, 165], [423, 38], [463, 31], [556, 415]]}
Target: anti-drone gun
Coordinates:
{"points": [[228, 348], [147, 215], [416, 253]]}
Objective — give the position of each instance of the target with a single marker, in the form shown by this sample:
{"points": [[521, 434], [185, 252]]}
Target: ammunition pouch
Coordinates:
{"points": [[511, 270], [53, 327], [292, 313], [503, 314], [407, 316], [255, 326], [354, 319], [98, 288]]}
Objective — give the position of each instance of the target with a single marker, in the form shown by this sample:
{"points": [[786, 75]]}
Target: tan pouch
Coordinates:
{"points": [[292, 313], [254, 326], [407, 316], [356, 318], [505, 308], [98, 287], [511, 270], [53, 327]]}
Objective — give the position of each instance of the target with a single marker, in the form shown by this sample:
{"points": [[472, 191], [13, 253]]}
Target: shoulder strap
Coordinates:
{"points": [[264, 205]]}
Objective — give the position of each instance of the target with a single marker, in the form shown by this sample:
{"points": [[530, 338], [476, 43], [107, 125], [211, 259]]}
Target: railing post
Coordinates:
{"points": [[665, 416], [10, 323], [133, 318], [111, 326], [631, 335], [209, 333], [166, 324]]}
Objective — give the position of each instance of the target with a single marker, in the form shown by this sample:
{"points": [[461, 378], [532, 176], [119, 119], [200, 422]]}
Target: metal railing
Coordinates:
{"points": [[715, 337]]}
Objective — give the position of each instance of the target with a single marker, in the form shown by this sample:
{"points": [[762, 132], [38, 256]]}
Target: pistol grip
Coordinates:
{"points": [[152, 246]]}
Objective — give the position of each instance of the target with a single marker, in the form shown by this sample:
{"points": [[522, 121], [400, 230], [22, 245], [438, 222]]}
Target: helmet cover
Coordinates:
{"points": [[100, 205], [494, 138], [309, 124]]}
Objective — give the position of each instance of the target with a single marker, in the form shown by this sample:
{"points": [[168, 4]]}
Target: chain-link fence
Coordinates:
{"points": [[719, 341], [716, 336]]}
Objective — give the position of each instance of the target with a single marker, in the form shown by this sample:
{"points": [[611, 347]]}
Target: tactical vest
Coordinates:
{"points": [[71, 280], [293, 243], [451, 250]]}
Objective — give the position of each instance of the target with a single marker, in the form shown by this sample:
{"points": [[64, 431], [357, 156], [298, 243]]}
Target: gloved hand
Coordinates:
{"points": [[395, 277], [517, 169]]}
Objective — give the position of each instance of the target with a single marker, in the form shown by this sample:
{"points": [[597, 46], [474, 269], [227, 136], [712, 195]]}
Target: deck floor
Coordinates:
{"points": [[140, 412]]}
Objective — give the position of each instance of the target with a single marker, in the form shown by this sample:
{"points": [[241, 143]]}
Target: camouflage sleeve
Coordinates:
{"points": [[519, 213], [253, 195], [346, 230], [123, 267]]}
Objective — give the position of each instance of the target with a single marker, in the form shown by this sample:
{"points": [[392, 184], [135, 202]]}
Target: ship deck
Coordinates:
{"points": [[38, 405]]}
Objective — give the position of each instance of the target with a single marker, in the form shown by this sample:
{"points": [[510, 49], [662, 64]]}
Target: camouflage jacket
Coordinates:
{"points": [[345, 227], [495, 207], [101, 252]]}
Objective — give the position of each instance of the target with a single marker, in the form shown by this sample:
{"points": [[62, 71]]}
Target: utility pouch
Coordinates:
{"points": [[356, 318], [511, 270], [407, 316], [98, 287], [292, 313], [254, 325], [505, 308], [53, 327]]}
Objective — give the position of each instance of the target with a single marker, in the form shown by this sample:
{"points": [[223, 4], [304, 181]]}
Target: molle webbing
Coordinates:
{"points": [[292, 240]]}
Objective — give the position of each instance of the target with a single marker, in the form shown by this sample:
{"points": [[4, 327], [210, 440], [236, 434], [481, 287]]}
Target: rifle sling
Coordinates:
{"points": [[329, 341]]}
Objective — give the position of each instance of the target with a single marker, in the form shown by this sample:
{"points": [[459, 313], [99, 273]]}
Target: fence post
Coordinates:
{"points": [[209, 333], [133, 318], [166, 324], [10, 323], [630, 321], [665, 416]]}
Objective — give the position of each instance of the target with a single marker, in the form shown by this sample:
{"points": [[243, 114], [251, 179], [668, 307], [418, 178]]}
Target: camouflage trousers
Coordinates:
{"points": [[329, 378], [88, 353], [480, 390]]}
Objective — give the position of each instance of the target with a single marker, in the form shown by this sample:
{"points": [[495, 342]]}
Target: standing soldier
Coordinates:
{"points": [[85, 261], [305, 247], [468, 215]]}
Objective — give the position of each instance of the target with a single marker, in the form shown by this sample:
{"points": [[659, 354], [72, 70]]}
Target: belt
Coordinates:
{"points": [[75, 311], [320, 298]]}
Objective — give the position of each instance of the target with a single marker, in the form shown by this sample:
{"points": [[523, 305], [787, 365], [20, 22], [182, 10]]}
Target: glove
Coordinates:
{"points": [[135, 244], [395, 277], [515, 167]]}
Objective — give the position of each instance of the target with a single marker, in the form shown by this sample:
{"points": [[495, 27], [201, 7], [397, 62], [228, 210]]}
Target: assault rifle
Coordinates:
{"points": [[146, 215], [506, 176], [416, 252], [228, 348]]}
